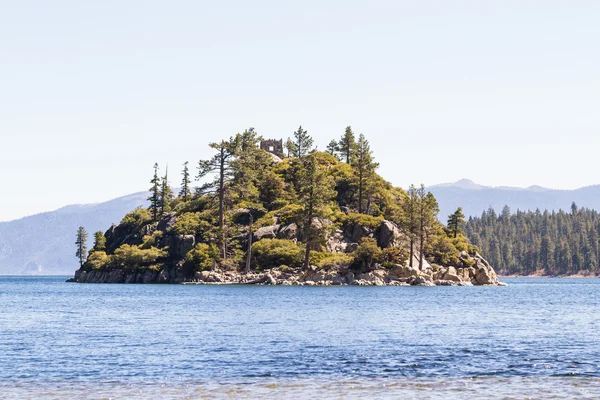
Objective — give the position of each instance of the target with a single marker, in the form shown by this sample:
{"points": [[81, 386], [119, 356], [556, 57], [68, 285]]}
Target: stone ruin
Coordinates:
{"points": [[273, 146]]}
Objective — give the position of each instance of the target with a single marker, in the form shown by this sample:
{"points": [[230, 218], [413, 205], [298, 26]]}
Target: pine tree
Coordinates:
{"points": [[455, 221], [316, 191], [347, 145], [81, 244], [166, 194], [290, 147], [364, 168], [220, 166], [185, 191], [427, 211], [99, 241], [410, 220], [155, 194], [333, 149], [303, 143]]}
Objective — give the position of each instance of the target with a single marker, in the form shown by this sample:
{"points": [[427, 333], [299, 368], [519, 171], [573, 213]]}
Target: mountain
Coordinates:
{"points": [[475, 198], [44, 243]]}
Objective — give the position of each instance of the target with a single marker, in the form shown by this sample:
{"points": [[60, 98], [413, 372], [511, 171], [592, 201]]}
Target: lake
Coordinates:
{"points": [[536, 337]]}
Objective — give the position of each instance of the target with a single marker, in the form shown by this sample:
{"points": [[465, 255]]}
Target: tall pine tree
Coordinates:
{"points": [[185, 190], [81, 243], [303, 143], [347, 145], [364, 168], [154, 198]]}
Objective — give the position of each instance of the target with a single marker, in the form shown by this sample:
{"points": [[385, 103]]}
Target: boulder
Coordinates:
{"points": [[289, 232], [167, 222], [422, 281], [266, 232], [389, 235], [355, 233], [486, 276], [185, 244]]}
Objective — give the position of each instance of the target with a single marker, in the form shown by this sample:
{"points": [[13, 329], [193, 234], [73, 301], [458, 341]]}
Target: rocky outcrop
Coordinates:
{"points": [[266, 232], [389, 235]]}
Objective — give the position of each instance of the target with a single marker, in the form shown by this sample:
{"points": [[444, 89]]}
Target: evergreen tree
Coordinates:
{"points": [[333, 148], [316, 192], [455, 221], [99, 241], [364, 168], [427, 211], [166, 194], [155, 194], [303, 143], [410, 220], [290, 147], [347, 145], [185, 191], [219, 166], [81, 243], [249, 167]]}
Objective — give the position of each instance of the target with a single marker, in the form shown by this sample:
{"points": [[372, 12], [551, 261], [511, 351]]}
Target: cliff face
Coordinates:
{"points": [[466, 269]]}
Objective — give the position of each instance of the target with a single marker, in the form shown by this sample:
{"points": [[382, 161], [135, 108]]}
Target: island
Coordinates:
{"points": [[271, 212]]}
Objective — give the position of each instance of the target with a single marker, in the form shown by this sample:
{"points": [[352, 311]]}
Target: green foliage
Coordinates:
{"points": [[443, 252], [331, 260], [189, 223], [200, 258], [134, 256], [185, 191], [553, 243], [393, 256], [149, 241], [367, 254], [347, 145], [272, 253], [154, 198], [365, 220], [137, 218], [99, 241], [456, 221], [97, 260], [302, 143], [81, 243]]}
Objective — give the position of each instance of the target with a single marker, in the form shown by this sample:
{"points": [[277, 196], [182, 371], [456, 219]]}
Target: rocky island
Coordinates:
{"points": [[302, 218]]}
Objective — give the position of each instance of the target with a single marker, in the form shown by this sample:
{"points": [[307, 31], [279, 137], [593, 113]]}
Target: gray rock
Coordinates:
{"points": [[185, 244], [167, 222], [289, 232], [389, 235], [267, 232]]}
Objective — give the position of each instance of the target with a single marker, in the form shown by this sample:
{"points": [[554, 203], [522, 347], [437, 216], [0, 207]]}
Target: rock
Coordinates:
{"points": [[163, 276], [422, 281], [185, 244], [452, 277], [167, 222], [266, 232], [389, 235], [115, 276], [289, 232], [354, 232], [402, 271], [486, 276]]}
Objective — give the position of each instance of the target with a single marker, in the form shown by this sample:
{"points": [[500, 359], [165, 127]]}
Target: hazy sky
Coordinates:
{"points": [[93, 93]]}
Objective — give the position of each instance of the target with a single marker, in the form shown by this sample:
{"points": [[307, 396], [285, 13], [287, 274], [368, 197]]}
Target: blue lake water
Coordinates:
{"points": [[536, 337]]}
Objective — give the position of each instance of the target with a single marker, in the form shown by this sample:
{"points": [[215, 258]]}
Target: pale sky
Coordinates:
{"points": [[93, 93]]}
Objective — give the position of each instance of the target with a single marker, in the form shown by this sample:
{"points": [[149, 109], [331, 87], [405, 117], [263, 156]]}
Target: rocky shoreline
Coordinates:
{"points": [[482, 274]]}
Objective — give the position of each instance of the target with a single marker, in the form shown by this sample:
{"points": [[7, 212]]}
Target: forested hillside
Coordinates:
{"points": [[549, 243], [295, 213]]}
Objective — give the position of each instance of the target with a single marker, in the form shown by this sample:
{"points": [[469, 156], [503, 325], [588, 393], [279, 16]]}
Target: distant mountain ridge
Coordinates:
{"points": [[44, 243], [475, 198]]}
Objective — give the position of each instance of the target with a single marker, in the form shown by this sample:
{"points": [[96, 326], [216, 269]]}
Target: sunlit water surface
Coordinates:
{"points": [[535, 338]]}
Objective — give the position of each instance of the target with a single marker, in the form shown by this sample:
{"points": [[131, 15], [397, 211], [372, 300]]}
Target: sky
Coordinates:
{"points": [[506, 93]]}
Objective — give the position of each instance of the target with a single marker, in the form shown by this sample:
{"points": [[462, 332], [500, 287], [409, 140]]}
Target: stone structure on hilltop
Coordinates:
{"points": [[273, 146]]}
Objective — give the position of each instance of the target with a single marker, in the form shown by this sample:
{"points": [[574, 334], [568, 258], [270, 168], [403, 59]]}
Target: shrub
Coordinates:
{"points": [[200, 258], [367, 254], [188, 224], [364, 220], [290, 214], [394, 255], [133, 256], [137, 218], [272, 253], [97, 260], [335, 260], [149, 241], [443, 252]]}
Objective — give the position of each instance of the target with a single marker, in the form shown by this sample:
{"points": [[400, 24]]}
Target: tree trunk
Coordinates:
{"points": [[412, 252], [249, 256], [222, 204], [360, 192]]}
